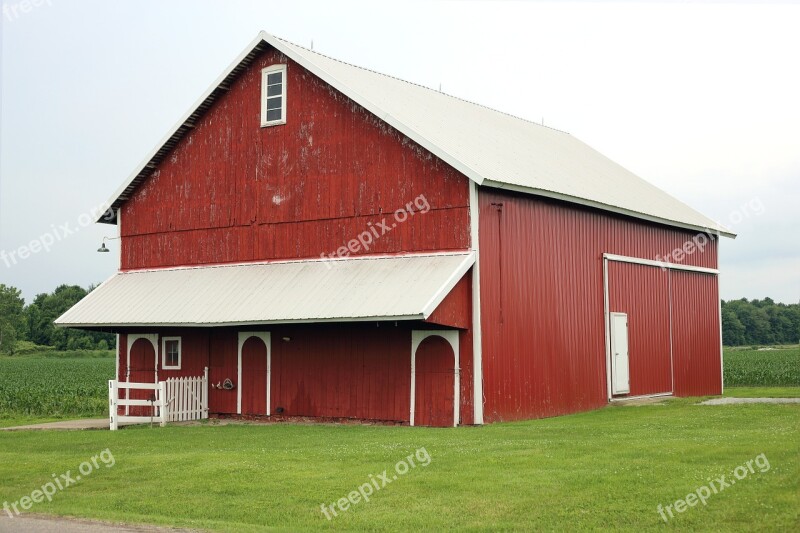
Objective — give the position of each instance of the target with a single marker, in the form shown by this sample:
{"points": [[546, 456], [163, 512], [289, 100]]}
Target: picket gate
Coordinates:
{"points": [[174, 400]]}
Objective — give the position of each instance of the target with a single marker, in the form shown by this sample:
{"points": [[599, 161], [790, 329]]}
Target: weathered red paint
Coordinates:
{"points": [[222, 357], [254, 377], [433, 392], [232, 191], [360, 371], [351, 371], [455, 309], [543, 331], [142, 370]]}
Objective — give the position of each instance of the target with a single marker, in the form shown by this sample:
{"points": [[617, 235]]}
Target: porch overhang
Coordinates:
{"points": [[355, 289]]}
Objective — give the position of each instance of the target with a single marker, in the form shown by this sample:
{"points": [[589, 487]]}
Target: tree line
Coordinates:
{"points": [[751, 322], [34, 322]]}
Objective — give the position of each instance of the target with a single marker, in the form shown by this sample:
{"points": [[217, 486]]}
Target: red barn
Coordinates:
{"points": [[337, 243]]}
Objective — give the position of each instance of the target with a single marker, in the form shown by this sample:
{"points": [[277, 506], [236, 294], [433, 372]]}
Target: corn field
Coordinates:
{"points": [[50, 386]]}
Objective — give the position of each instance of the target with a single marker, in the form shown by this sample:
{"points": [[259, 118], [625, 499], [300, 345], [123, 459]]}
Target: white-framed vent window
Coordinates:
{"points": [[273, 95], [171, 353]]}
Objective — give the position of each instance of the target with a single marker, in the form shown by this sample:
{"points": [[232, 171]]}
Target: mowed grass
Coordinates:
{"points": [[762, 368], [67, 385], [762, 392], [604, 469], [609, 468]]}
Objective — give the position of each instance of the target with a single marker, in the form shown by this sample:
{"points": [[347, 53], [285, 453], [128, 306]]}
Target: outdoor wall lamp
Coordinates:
{"points": [[103, 248]]}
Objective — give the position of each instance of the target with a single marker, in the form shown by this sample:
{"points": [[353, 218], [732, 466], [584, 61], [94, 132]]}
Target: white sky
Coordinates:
{"points": [[699, 99]]}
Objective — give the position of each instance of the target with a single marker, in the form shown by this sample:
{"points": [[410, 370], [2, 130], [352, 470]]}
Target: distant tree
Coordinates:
{"points": [[12, 319], [760, 322], [47, 307], [732, 329]]}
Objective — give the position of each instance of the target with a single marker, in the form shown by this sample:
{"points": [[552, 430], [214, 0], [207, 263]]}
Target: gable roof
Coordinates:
{"points": [[489, 147]]}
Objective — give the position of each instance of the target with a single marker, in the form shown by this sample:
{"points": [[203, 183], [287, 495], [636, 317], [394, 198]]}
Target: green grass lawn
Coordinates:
{"points": [[603, 469], [607, 468], [762, 392]]}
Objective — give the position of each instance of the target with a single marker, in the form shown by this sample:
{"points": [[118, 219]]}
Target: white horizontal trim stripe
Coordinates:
{"points": [[659, 264]]}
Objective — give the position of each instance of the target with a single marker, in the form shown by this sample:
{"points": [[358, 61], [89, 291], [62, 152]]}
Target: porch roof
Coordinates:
{"points": [[405, 287]]}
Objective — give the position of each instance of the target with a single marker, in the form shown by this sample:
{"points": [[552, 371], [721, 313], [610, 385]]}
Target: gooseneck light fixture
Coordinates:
{"points": [[103, 248]]}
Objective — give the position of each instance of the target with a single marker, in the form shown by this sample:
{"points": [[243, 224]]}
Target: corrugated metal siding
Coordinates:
{"points": [[695, 336], [642, 292], [542, 300], [467, 411], [232, 191]]}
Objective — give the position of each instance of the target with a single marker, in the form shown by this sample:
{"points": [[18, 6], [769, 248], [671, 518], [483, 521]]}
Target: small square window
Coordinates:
{"points": [[171, 353], [273, 95]]}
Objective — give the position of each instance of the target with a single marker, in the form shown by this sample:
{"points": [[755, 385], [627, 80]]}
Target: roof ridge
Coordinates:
{"points": [[420, 85]]}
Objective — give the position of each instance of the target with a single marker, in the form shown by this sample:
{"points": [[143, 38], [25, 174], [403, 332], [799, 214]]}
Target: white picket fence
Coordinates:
{"points": [[173, 400]]}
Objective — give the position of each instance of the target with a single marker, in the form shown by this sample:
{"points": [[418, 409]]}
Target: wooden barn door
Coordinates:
{"points": [[434, 391], [142, 370], [254, 377]]}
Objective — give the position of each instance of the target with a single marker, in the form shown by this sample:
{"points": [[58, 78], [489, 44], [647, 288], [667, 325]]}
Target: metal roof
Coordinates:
{"points": [[405, 287], [489, 147]]}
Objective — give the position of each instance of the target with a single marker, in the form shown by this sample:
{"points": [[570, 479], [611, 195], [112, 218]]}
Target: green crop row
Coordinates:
{"points": [[49, 386], [762, 368]]}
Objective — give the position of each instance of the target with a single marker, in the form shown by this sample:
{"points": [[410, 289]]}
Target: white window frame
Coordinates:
{"points": [[265, 72], [164, 353]]}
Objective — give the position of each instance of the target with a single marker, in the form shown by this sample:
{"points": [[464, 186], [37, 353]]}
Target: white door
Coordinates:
{"points": [[620, 382]]}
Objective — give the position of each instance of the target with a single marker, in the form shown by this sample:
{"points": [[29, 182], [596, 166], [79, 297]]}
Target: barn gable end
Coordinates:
{"points": [[233, 191]]}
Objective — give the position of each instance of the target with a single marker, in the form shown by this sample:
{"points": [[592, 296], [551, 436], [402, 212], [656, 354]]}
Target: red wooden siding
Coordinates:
{"points": [[454, 311], [358, 371], [232, 191], [696, 340], [254, 377], [542, 300], [223, 358], [142, 370], [642, 292], [355, 371], [433, 391]]}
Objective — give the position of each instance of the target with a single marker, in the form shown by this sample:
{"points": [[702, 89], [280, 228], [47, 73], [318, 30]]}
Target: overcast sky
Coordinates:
{"points": [[700, 99]]}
